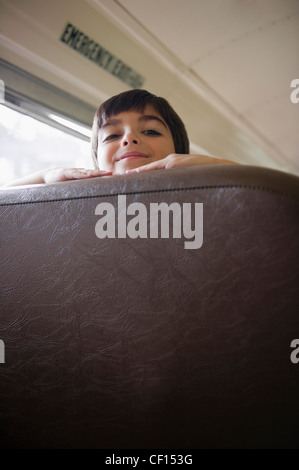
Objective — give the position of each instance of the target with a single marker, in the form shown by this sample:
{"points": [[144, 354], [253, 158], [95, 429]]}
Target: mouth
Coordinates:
{"points": [[129, 155]]}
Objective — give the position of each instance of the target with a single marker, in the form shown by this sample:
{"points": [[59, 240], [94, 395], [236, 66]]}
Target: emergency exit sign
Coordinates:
{"points": [[84, 45]]}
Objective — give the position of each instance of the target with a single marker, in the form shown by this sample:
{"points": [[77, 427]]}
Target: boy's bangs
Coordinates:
{"points": [[126, 102]]}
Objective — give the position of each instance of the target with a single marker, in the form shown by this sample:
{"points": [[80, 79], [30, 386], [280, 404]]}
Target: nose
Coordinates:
{"points": [[129, 138]]}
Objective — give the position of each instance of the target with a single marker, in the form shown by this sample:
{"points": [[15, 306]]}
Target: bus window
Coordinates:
{"points": [[29, 145]]}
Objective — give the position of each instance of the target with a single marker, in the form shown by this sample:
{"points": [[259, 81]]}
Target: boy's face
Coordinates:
{"points": [[131, 139]]}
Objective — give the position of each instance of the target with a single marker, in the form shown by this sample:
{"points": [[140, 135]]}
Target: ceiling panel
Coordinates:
{"points": [[192, 28], [255, 69], [246, 52]]}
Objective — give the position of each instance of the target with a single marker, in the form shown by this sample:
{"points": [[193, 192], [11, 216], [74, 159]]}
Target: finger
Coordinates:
{"points": [[76, 173], [66, 174], [150, 166], [95, 173]]}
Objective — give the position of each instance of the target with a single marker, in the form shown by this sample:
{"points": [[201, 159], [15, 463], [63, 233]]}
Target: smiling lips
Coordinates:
{"points": [[132, 155]]}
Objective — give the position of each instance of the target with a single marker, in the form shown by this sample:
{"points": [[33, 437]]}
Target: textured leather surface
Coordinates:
{"points": [[140, 343]]}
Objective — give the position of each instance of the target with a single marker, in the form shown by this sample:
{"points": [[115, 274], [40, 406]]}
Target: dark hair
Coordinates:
{"points": [[137, 100]]}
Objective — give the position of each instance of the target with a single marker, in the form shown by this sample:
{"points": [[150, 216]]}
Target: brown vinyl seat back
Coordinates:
{"points": [[142, 342]]}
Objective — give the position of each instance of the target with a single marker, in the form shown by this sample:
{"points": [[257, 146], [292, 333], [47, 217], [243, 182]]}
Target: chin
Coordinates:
{"points": [[129, 164]]}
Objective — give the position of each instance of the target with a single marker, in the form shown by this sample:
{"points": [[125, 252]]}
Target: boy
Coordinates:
{"points": [[133, 131]]}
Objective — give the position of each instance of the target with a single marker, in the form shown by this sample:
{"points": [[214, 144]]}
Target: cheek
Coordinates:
{"points": [[163, 149], [169, 145], [104, 159], [169, 148], [172, 148]]}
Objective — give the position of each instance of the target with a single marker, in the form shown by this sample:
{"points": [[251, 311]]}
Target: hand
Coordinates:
{"points": [[55, 175], [180, 160]]}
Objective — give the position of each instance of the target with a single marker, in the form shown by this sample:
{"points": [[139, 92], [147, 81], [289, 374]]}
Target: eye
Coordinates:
{"points": [[151, 132], [111, 137]]}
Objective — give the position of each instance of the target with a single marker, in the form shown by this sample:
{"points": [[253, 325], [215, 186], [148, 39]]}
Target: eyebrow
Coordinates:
{"points": [[143, 118], [148, 117]]}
